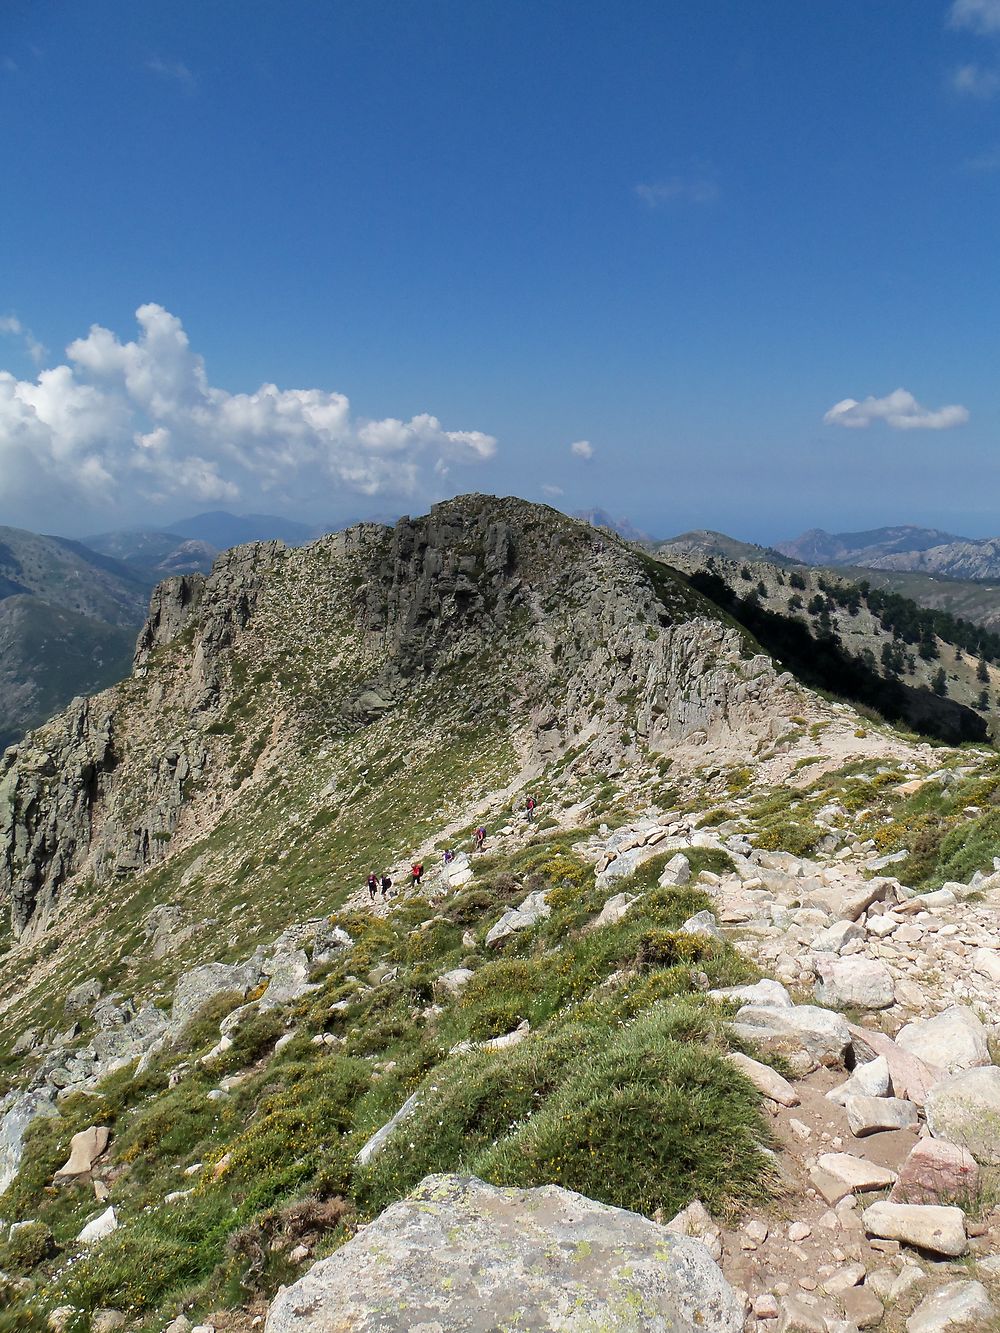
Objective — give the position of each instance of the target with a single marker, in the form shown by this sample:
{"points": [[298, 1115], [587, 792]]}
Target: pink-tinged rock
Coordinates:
{"points": [[936, 1172], [911, 1077]]}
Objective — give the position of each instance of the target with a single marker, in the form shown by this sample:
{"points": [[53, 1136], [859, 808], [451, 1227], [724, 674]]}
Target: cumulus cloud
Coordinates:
{"points": [[697, 189], [582, 449], [127, 421], [982, 16], [12, 325], [899, 409]]}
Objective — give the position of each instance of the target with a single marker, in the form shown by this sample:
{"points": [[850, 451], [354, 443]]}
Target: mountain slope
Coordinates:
{"points": [[153, 552], [67, 618], [49, 655], [704, 542], [955, 559], [222, 530]]}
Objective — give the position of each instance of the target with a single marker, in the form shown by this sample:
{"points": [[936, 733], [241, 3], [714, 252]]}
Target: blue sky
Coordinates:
{"points": [[683, 233]]}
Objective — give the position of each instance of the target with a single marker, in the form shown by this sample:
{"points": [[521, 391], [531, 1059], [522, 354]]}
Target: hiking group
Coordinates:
{"points": [[375, 883]]}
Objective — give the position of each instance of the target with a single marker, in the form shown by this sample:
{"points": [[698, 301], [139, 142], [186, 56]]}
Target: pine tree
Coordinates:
{"points": [[982, 671], [939, 682]]}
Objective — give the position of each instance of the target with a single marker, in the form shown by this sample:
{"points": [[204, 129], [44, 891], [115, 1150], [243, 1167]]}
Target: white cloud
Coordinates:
{"points": [[553, 492], [125, 422], [982, 16], [12, 325], [582, 449], [899, 409], [976, 81], [698, 189], [173, 70]]}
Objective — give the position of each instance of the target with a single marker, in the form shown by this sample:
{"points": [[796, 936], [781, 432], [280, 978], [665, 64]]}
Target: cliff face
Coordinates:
{"points": [[487, 626]]}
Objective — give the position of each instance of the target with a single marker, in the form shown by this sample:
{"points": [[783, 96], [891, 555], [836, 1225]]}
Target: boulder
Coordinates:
{"points": [[100, 1227], [859, 1175], [201, 984], [833, 939], [804, 1034], [937, 1172], [868, 1080], [82, 996], [287, 975], [872, 1115], [853, 983], [612, 911], [954, 1307], [768, 994], [910, 1076], [454, 982], [16, 1113], [328, 943], [703, 923], [84, 1150], [460, 1254], [766, 1080], [676, 873], [965, 1110], [533, 909], [929, 1227], [952, 1040], [378, 1139]]}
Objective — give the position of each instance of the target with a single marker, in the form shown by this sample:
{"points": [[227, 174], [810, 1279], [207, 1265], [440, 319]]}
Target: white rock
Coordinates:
{"points": [[99, 1228], [859, 1174], [854, 982], [766, 1080], [676, 873], [927, 1226], [868, 1080], [533, 909], [987, 963], [952, 1040], [965, 1110], [612, 911], [769, 994], [833, 939], [872, 1115], [958, 1305]]}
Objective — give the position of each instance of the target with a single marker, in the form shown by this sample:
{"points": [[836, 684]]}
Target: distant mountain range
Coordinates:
{"points": [[921, 550]]}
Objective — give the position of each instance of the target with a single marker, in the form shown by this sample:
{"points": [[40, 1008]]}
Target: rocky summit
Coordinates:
{"points": [[672, 1004]]}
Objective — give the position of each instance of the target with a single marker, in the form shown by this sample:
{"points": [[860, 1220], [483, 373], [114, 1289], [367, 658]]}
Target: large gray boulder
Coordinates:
{"points": [[201, 984], [952, 1040], [804, 1034], [534, 908], [462, 1255], [853, 982], [16, 1113], [965, 1110]]}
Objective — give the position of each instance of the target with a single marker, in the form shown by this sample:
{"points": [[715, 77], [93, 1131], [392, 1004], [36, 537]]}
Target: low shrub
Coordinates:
{"points": [[26, 1247]]}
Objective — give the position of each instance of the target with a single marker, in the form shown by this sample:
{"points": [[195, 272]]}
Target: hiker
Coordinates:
{"points": [[386, 886], [529, 805], [480, 838], [372, 885], [417, 871], [449, 856]]}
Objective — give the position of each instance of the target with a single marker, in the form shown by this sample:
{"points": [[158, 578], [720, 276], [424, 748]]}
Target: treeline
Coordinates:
{"points": [[912, 623], [820, 659]]}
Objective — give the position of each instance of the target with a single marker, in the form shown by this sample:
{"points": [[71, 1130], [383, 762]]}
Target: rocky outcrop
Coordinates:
{"points": [[460, 1254]]}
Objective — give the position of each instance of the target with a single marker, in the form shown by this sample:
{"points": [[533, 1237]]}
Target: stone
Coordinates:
{"points": [[82, 996], [856, 1173], [454, 982], [798, 1317], [818, 1035], [84, 1150], [955, 1306], [929, 1227], [695, 1220], [533, 909], [100, 1227], [873, 1115], [766, 1306], [196, 987], [910, 1076], [612, 911], [18, 1111], [378, 1139], [853, 983], [965, 1110], [833, 939], [952, 1040], [844, 1279], [937, 1172], [987, 963], [458, 1253], [59, 1319], [106, 1321], [703, 923], [766, 1080], [868, 1080], [299, 1254], [768, 994], [862, 1307], [799, 1231], [676, 873]]}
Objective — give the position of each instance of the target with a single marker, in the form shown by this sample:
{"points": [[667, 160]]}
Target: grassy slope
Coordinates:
{"points": [[68, 575], [610, 1073]]}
